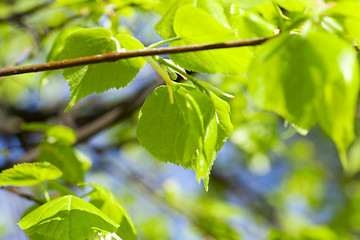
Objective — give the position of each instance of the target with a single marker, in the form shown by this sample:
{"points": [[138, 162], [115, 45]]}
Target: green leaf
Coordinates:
{"points": [[195, 26], [107, 203], [249, 25], [57, 149], [64, 157], [28, 174], [56, 48], [346, 13], [214, 8], [89, 79], [61, 134], [245, 4], [186, 132], [66, 218], [84, 160], [304, 78], [225, 127]]}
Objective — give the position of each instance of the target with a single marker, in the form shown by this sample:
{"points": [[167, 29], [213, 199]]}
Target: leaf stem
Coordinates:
{"points": [[46, 194], [163, 73], [200, 84], [87, 194], [157, 44]]}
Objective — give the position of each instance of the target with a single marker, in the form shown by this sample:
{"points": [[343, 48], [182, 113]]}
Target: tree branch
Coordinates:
{"points": [[23, 195], [115, 56], [121, 112]]}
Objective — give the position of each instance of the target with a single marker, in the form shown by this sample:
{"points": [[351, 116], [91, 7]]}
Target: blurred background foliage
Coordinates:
{"points": [[268, 182]]}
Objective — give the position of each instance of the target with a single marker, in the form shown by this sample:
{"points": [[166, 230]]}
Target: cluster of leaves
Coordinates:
{"points": [[65, 216], [308, 68], [308, 74]]}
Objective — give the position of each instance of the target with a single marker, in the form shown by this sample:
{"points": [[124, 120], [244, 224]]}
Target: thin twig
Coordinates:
{"points": [[23, 195], [115, 56]]}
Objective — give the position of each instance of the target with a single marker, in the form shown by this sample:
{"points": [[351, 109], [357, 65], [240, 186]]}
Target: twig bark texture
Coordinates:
{"points": [[115, 56]]}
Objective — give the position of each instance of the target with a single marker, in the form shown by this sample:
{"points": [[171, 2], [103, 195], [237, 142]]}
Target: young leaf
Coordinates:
{"points": [[88, 79], [106, 202], [28, 174], [304, 79], [61, 134], [213, 7], [346, 13], [195, 26], [66, 218], [56, 48], [186, 132], [225, 127], [248, 25], [245, 4]]}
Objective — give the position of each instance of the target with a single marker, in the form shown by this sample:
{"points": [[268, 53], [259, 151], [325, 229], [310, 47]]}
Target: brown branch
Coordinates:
{"points": [[115, 56], [23, 195]]}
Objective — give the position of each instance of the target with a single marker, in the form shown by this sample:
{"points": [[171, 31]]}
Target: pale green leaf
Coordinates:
{"points": [[66, 218], [56, 48], [107, 203], [27, 174], [165, 27], [61, 134], [290, 5], [225, 127], [245, 4], [195, 26], [248, 25], [346, 13], [304, 78], [89, 79]]}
